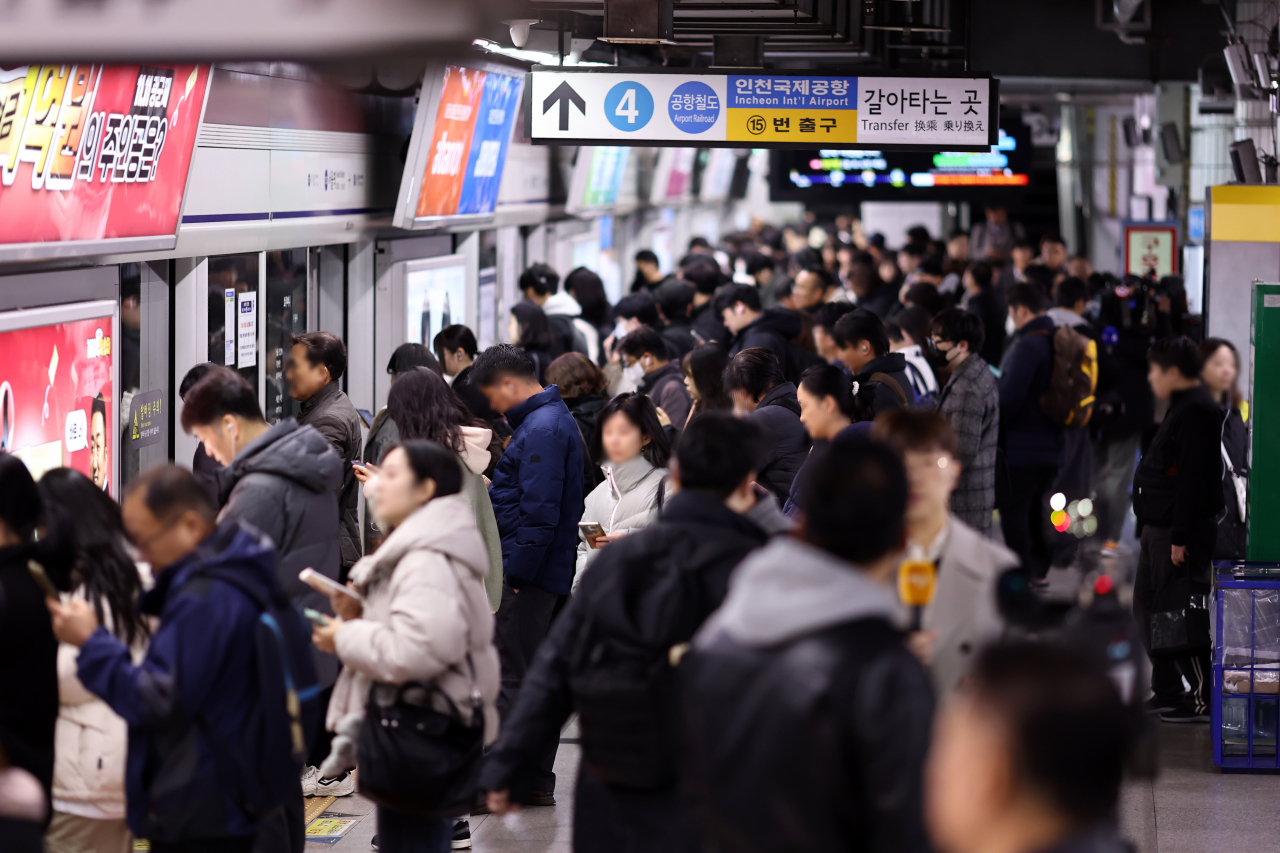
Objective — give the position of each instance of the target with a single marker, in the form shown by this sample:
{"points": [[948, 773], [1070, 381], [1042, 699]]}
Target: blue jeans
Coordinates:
{"points": [[406, 833]]}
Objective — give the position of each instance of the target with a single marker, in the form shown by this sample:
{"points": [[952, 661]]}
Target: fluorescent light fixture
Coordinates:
{"points": [[537, 57]]}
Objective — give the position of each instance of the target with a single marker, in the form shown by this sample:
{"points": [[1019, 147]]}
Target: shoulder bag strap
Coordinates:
{"points": [[893, 385]]}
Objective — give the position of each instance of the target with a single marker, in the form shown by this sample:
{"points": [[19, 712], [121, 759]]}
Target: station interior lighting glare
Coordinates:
{"points": [[538, 57]]}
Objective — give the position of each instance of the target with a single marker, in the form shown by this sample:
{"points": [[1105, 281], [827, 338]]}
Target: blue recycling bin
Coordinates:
{"points": [[1245, 703]]}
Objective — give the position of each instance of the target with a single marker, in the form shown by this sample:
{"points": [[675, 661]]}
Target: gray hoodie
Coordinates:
{"points": [[789, 589]]}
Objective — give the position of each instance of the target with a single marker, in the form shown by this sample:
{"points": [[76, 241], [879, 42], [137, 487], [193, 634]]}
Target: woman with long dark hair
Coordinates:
{"points": [[831, 406], [92, 741], [28, 669], [530, 330], [588, 291], [424, 408], [1221, 376], [634, 451], [703, 370]]}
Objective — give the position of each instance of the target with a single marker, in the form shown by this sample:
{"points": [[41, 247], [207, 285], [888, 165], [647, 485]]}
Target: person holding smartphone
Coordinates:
{"points": [[634, 446]]}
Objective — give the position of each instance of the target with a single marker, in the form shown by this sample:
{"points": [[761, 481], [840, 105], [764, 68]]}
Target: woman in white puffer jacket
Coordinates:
{"points": [[90, 740], [634, 449]]}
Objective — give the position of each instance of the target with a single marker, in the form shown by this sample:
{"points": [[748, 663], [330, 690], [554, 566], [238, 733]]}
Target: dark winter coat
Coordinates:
{"points": [[707, 325], [665, 386], [678, 336], [882, 300], [971, 403], [1126, 407], [801, 685], [586, 411], [194, 694], [331, 412], [775, 330], [29, 671], [640, 821], [988, 305], [1232, 531], [861, 429], [1178, 483], [537, 494], [893, 365], [1031, 438], [778, 416]]}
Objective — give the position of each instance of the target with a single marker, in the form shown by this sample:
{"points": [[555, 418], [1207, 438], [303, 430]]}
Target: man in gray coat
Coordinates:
{"points": [[316, 365], [971, 402], [282, 479], [662, 381]]}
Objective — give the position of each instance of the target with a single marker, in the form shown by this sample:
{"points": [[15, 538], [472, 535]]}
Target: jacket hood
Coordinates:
{"points": [[625, 476], [545, 397], [1039, 324], [475, 448], [894, 362], [789, 589], [561, 304], [1065, 317], [783, 395], [586, 405], [781, 320], [446, 525], [290, 450], [233, 545]]}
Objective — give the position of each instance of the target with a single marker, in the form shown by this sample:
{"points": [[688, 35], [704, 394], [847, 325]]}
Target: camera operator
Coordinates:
{"points": [[1177, 498]]}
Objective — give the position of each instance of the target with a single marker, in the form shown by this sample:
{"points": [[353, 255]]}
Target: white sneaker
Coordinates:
{"points": [[309, 777], [343, 786]]}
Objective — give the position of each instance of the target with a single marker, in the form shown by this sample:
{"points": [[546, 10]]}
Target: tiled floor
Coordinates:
{"points": [[1189, 808]]}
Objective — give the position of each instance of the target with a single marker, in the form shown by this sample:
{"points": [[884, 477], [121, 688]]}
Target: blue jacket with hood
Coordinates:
{"points": [[194, 693], [537, 494]]}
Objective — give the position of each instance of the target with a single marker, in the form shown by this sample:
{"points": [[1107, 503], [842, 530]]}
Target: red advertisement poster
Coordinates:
{"points": [[450, 142], [94, 152], [56, 397]]}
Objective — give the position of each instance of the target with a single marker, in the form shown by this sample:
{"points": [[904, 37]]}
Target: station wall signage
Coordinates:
{"points": [[95, 158], [729, 108]]}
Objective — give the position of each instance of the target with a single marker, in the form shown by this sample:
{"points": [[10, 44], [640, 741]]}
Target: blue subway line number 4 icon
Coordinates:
{"points": [[628, 106]]}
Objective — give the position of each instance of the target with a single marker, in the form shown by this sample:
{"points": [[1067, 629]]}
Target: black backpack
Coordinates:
{"points": [[262, 770], [623, 676]]}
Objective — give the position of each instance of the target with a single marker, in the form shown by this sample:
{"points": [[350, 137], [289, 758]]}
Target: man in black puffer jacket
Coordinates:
{"points": [[863, 346], [651, 593], [806, 718], [775, 330], [1177, 497], [762, 394]]}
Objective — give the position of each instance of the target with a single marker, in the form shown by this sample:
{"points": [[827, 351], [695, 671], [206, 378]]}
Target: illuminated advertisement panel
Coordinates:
{"points": [[57, 389], [463, 166], [95, 158]]}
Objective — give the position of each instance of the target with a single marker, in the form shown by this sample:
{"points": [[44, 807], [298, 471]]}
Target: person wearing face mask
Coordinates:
{"points": [[281, 478], [831, 406], [970, 401], [962, 617], [635, 451], [656, 377], [425, 617]]}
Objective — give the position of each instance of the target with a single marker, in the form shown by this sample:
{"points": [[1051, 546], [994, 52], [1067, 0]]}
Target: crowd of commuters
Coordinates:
{"points": [[681, 517]]}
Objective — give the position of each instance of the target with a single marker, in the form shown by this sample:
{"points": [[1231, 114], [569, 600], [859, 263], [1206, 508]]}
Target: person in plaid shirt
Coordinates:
{"points": [[971, 402]]}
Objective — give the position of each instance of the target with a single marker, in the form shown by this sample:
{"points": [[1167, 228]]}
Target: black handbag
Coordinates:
{"points": [[417, 760], [1179, 622]]}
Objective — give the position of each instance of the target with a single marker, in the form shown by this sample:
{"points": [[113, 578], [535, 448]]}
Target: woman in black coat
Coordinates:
{"points": [[29, 669], [530, 330], [1221, 370]]}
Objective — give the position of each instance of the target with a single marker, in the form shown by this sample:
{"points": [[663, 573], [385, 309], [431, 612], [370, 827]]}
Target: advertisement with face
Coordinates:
{"points": [[57, 396], [92, 153]]}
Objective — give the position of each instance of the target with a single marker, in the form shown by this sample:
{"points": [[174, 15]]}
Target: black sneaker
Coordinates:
{"points": [[539, 798], [1185, 714], [373, 843], [462, 835], [1156, 706]]}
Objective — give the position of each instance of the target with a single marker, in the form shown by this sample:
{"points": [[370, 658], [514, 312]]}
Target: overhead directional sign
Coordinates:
{"points": [[761, 110]]}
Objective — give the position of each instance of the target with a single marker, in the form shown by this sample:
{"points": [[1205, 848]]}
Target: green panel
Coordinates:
{"points": [[1264, 410]]}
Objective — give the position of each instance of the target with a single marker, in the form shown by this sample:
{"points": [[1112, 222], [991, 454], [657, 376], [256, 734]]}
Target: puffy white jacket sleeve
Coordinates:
{"points": [[425, 632]]}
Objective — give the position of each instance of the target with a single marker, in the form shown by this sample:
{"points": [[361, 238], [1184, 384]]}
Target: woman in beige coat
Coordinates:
{"points": [[425, 615], [90, 740]]}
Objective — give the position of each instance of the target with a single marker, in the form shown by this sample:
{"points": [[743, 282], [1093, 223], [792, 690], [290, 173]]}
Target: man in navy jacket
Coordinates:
{"points": [[537, 499], [194, 694], [1032, 441]]}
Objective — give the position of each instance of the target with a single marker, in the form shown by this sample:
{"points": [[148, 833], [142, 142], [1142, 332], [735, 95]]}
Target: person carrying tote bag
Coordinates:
{"points": [[418, 654]]}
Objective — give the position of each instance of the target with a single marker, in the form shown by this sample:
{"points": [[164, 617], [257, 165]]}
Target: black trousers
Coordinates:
{"points": [[284, 829], [521, 625], [1024, 518], [1155, 569]]}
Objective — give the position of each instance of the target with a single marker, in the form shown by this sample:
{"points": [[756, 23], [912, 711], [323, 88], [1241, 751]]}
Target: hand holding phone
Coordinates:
{"points": [[590, 532], [315, 617], [325, 585]]}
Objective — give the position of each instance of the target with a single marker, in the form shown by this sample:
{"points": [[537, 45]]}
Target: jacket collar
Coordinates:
{"points": [[693, 507], [778, 396], [625, 476], [328, 392], [894, 362], [1039, 324], [545, 397], [1195, 395], [651, 380]]}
